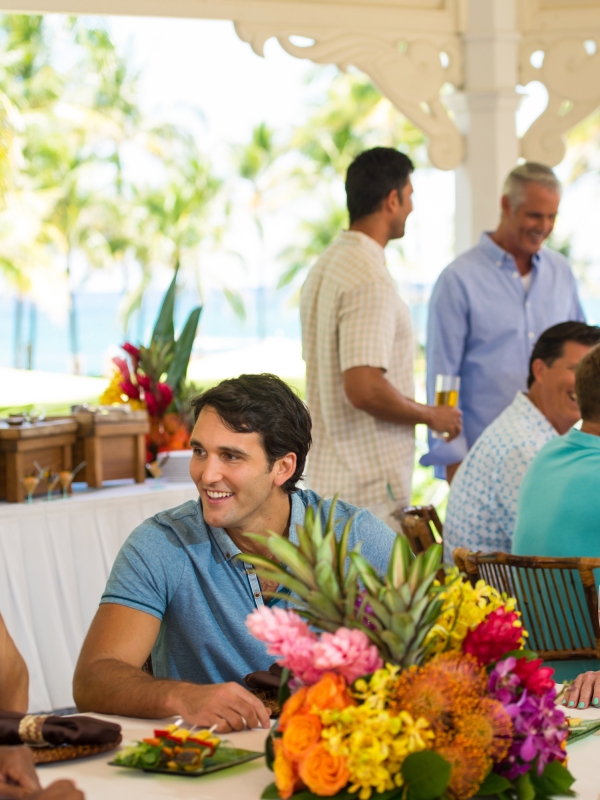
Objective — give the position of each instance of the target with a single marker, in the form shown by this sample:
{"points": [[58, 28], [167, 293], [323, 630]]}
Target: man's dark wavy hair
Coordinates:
{"points": [[266, 405], [372, 176], [551, 343]]}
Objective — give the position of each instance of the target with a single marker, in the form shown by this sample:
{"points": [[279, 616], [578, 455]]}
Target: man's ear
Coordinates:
{"points": [[284, 468], [539, 369], [505, 205], [392, 200]]}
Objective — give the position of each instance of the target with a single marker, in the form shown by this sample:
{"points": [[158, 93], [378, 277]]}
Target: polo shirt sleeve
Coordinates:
{"points": [[147, 570], [367, 326]]}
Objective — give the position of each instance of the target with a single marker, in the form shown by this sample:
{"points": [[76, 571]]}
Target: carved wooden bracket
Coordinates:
{"points": [[572, 77], [409, 73]]}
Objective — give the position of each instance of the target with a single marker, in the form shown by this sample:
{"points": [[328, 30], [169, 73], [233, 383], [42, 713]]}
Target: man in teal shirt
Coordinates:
{"points": [[558, 513]]}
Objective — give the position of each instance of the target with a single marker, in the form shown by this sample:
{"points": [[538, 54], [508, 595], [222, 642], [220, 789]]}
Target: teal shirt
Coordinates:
{"points": [[558, 513]]}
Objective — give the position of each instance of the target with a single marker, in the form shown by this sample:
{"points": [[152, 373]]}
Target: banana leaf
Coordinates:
{"points": [[183, 350], [164, 329]]}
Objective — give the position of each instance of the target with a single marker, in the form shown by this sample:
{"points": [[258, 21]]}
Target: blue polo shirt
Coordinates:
{"points": [[183, 572], [558, 515]]}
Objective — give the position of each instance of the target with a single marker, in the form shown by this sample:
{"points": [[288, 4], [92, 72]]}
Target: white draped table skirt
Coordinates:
{"points": [[55, 558]]}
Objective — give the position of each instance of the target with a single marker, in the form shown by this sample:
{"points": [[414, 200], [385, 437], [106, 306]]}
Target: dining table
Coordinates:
{"points": [[100, 781], [55, 559]]}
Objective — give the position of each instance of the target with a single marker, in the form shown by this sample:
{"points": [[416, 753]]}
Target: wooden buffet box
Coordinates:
{"points": [[113, 445], [49, 443]]}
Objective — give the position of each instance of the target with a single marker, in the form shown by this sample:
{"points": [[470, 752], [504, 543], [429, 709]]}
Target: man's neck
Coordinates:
{"points": [[274, 515], [503, 240], [535, 396], [590, 427], [374, 227]]}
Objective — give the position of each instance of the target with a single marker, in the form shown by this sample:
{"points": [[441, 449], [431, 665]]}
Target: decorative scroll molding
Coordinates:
{"points": [[411, 76], [572, 77]]}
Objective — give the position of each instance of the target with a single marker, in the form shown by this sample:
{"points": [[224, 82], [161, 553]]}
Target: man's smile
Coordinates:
{"points": [[217, 496]]}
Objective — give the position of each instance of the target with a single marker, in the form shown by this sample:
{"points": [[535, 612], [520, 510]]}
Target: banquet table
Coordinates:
{"points": [[55, 558], [246, 781]]}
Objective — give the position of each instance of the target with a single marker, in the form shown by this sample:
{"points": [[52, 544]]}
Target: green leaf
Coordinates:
{"points": [[164, 329], [400, 561], [183, 349], [284, 687], [555, 780], [270, 793], [427, 775], [493, 784], [524, 787], [236, 301], [270, 750]]}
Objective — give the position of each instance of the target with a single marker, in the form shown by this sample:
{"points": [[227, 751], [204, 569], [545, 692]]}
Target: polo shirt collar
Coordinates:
{"points": [[499, 254], [230, 549], [581, 440]]}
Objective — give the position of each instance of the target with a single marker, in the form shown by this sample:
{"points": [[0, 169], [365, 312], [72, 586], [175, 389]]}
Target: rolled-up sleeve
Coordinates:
{"points": [[447, 331], [366, 326]]}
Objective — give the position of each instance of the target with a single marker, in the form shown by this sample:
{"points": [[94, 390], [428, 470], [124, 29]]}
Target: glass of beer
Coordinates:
{"points": [[446, 394]]}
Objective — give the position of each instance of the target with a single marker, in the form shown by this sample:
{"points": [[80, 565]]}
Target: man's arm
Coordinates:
{"points": [[109, 678], [14, 678], [369, 390]]}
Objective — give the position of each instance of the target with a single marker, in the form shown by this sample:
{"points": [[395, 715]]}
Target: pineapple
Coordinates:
{"points": [[396, 611]]}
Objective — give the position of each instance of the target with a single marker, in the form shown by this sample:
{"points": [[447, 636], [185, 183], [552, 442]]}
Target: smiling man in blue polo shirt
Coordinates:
{"points": [[176, 589]]}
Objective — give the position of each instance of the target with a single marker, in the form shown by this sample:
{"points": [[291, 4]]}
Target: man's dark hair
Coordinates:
{"points": [[263, 404], [587, 386], [372, 176], [551, 343]]}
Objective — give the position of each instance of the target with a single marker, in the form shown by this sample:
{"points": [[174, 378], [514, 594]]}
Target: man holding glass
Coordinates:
{"points": [[358, 347], [490, 306]]}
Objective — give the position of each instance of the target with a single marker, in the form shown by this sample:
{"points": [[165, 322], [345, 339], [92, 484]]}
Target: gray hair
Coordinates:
{"points": [[530, 172]]}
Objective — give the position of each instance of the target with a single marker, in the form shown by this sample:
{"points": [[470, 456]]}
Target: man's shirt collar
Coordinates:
{"points": [[499, 255]]}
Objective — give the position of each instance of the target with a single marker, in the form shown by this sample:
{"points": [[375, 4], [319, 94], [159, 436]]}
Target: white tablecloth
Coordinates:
{"points": [[55, 558], [247, 781]]}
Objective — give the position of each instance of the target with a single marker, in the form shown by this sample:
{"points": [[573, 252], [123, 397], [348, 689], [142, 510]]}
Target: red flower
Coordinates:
{"points": [[494, 637], [165, 394], [133, 352], [151, 404], [535, 678], [143, 381], [123, 367], [133, 392]]}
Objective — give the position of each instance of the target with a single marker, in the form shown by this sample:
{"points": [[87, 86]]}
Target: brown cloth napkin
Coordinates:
{"points": [[263, 680], [40, 730]]}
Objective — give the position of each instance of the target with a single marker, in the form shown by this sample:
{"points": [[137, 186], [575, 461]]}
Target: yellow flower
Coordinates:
{"points": [[114, 396], [465, 607]]}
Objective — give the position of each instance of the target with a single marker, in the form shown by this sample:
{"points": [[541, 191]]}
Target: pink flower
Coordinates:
{"points": [[494, 637], [164, 395], [130, 389], [143, 381], [347, 652], [123, 367], [299, 658], [134, 354], [535, 678], [277, 628], [151, 404]]}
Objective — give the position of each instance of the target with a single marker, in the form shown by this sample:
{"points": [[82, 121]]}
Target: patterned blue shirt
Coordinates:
{"points": [[482, 506], [483, 325], [183, 572]]}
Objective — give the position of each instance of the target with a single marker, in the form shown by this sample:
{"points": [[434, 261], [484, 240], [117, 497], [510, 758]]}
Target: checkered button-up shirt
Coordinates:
{"points": [[352, 316], [482, 506]]}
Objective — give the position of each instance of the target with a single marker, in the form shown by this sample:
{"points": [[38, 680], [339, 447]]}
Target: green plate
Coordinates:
{"points": [[224, 758]]}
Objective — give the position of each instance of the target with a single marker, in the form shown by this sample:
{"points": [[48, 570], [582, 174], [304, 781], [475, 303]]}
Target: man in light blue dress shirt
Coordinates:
{"points": [[482, 507], [490, 306]]}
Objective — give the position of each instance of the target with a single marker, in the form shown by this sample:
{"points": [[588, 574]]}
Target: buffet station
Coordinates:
{"points": [[71, 490]]}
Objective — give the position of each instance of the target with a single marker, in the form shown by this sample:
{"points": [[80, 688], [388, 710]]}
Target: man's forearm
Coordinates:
{"points": [[383, 401], [14, 678], [109, 686]]}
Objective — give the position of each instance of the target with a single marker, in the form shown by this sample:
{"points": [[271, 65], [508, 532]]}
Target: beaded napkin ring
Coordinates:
{"points": [[30, 730]]}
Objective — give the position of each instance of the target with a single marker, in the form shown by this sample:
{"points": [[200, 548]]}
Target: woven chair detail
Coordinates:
{"points": [[557, 598], [421, 526]]}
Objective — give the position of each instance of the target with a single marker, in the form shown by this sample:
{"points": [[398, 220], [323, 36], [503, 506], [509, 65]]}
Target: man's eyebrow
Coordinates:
{"points": [[234, 450]]}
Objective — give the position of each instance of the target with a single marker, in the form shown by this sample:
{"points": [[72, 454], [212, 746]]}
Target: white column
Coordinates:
{"points": [[485, 113]]}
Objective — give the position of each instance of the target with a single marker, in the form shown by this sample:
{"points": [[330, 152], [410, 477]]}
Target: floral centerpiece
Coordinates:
{"points": [[153, 378], [402, 686]]}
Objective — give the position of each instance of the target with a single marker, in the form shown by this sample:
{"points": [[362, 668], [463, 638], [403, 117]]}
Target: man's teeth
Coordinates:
{"points": [[216, 495]]}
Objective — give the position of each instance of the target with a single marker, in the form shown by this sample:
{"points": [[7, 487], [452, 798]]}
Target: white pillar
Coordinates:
{"points": [[485, 112]]}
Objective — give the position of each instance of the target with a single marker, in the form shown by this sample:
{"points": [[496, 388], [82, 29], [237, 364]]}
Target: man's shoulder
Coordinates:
{"points": [[183, 523], [556, 260], [346, 263]]}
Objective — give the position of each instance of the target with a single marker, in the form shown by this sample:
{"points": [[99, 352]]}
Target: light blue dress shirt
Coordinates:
{"points": [[482, 507], [183, 572], [482, 325]]}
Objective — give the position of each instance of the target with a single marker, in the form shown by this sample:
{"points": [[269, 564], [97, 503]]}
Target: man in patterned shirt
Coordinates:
{"points": [[482, 507], [358, 347]]}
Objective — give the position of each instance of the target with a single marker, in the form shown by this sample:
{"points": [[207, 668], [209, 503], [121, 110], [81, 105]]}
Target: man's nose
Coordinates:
{"points": [[212, 471]]}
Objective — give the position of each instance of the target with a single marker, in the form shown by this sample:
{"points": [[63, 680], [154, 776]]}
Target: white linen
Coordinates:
{"points": [[55, 558], [99, 781]]}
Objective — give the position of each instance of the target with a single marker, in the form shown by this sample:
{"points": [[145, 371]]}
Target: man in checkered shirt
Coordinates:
{"points": [[358, 347]]}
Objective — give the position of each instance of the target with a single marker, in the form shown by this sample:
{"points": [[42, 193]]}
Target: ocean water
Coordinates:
{"points": [[100, 326]]}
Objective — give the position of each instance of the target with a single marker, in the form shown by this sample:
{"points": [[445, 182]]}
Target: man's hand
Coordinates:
{"points": [[17, 772], [585, 690], [227, 705], [446, 420], [59, 790]]}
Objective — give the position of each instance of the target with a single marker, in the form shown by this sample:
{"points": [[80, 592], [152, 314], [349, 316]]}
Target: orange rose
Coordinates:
{"points": [[292, 706], [323, 773], [329, 692], [302, 732], [286, 777]]}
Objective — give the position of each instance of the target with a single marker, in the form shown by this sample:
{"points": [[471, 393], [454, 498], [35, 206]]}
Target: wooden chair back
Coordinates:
{"points": [[421, 526], [557, 598]]}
